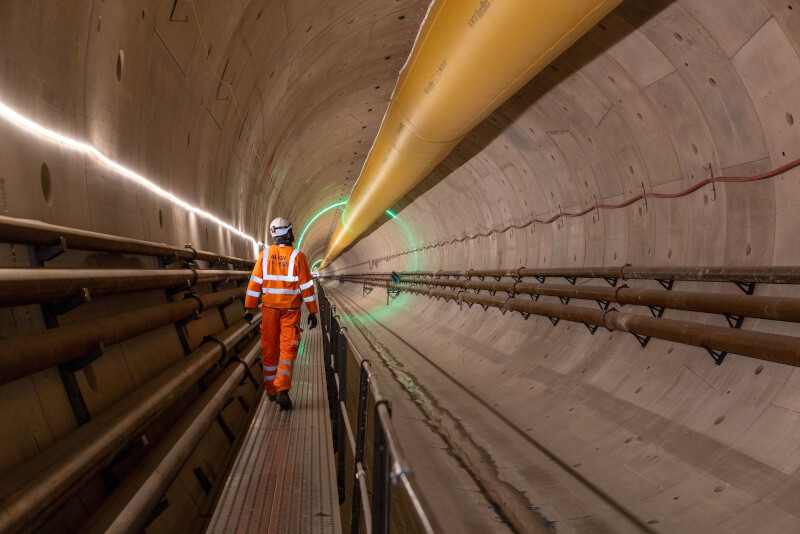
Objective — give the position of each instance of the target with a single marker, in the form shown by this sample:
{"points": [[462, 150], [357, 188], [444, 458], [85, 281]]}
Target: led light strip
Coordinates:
{"points": [[26, 124]]}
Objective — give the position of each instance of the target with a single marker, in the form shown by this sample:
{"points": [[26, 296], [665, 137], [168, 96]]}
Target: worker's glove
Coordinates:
{"points": [[248, 316], [312, 321]]}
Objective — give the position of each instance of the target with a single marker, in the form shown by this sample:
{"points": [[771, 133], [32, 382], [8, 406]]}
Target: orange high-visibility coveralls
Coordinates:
{"points": [[282, 281]]}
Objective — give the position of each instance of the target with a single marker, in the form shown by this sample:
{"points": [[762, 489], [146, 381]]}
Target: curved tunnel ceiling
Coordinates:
{"points": [[658, 96]]}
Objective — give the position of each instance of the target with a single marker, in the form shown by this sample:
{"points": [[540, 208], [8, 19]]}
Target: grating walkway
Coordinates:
{"points": [[284, 478]]}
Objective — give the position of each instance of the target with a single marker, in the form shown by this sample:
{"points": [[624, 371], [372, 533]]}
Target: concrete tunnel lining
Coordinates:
{"points": [[656, 97]]}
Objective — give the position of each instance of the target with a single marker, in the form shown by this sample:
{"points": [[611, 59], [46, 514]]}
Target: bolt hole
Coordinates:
{"points": [[188, 139], [789, 119], [669, 253], [705, 199], [160, 219], [46, 184], [748, 250], [759, 369], [144, 12], [258, 15], [720, 419], [694, 148], [120, 64], [678, 37], [713, 82], [401, 17]]}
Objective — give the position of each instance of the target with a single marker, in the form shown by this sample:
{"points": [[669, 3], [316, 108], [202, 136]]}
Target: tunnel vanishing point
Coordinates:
{"points": [[554, 248]]}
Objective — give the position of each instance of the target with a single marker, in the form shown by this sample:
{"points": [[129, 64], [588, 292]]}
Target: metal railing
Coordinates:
{"points": [[389, 465]]}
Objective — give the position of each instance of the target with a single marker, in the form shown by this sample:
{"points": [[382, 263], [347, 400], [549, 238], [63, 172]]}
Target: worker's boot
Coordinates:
{"points": [[271, 396], [283, 400]]}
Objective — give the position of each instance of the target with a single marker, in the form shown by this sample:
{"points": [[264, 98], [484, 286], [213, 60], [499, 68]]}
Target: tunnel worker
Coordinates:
{"points": [[283, 280]]}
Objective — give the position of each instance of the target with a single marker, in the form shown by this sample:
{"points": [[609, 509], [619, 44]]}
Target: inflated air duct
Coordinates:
{"points": [[469, 57]]}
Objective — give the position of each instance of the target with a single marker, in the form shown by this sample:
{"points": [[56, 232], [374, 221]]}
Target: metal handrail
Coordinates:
{"points": [[390, 467]]}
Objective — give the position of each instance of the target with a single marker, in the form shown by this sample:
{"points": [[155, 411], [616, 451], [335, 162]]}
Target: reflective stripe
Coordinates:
{"points": [[312, 298], [290, 271], [307, 284], [252, 293], [281, 278], [286, 362], [281, 291], [296, 343], [271, 368], [282, 372], [270, 377], [256, 279]]}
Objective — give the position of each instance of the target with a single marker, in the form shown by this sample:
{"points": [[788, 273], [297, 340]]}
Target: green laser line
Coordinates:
{"points": [[300, 241], [323, 210]]}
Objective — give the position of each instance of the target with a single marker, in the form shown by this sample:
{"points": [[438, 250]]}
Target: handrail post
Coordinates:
{"points": [[381, 473], [341, 438], [330, 374], [361, 433]]}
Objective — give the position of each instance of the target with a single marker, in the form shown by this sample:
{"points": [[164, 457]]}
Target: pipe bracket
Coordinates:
{"points": [[49, 252], [194, 252], [64, 306], [190, 295], [212, 339], [248, 373], [747, 287]]}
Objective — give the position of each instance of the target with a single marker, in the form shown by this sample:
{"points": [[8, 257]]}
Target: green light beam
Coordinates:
{"points": [[300, 241]]}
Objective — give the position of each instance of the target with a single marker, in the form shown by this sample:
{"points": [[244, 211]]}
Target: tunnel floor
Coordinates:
{"points": [[283, 478], [485, 465]]}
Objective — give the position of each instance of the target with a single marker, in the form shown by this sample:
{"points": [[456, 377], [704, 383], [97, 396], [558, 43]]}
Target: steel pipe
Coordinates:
{"points": [[25, 355], [39, 485], [37, 233], [770, 347], [128, 508], [756, 306], [28, 286]]}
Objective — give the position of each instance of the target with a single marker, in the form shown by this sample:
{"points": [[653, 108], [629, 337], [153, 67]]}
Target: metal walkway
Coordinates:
{"points": [[284, 477]]}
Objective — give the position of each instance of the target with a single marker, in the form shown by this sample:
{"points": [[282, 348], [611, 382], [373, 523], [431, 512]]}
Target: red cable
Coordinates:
{"points": [[720, 179]]}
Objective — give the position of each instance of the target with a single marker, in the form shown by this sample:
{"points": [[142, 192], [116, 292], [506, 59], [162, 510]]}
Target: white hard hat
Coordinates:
{"points": [[279, 227]]}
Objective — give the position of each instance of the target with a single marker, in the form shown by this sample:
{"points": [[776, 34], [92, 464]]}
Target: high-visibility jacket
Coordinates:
{"points": [[283, 280]]}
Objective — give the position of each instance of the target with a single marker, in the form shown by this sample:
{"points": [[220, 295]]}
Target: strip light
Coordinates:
{"points": [[28, 125]]}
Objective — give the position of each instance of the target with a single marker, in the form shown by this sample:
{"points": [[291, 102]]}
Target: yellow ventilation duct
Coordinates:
{"points": [[470, 56]]}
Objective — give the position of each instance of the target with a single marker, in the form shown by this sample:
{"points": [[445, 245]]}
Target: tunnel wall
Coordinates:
{"points": [[655, 98], [648, 99]]}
